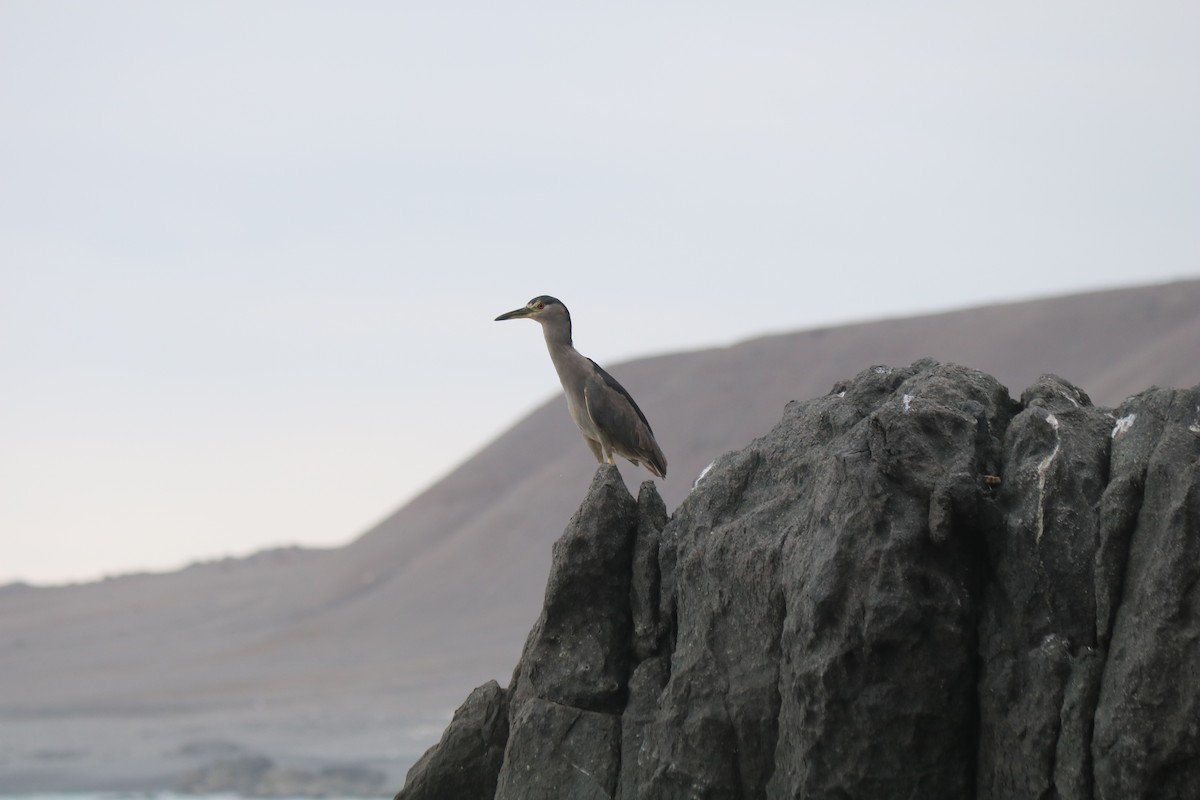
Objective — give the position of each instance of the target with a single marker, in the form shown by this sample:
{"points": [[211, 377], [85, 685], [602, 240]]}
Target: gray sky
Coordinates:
{"points": [[251, 252]]}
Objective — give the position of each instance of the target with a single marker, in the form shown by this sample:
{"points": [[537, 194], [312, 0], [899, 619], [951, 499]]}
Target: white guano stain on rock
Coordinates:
{"points": [[1123, 425], [1043, 468]]}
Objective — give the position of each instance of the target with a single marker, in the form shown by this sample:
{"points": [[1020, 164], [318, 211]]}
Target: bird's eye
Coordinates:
{"points": [[540, 306]]}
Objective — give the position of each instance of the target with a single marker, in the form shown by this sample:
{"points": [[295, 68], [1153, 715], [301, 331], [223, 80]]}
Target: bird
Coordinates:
{"points": [[604, 412]]}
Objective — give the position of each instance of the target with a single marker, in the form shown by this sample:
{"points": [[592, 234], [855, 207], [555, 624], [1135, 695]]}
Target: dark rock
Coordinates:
{"points": [[646, 684], [571, 683], [1037, 633], [465, 763], [879, 575], [559, 752], [578, 651], [911, 587], [649, 628], [1147, 716]]}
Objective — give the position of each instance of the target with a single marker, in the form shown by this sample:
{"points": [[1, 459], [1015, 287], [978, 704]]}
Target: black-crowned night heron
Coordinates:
{"points": [[604, 412]]}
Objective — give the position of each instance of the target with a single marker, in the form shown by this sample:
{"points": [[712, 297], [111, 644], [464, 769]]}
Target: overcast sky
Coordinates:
{"points": [[251, 252]]}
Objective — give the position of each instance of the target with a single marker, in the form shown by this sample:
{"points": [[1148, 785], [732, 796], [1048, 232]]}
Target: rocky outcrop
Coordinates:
{"points": [[467, 760], [912, 587]]}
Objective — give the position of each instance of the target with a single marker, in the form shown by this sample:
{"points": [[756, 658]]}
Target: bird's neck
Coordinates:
{"points": [[563, 354], [557, 337]]}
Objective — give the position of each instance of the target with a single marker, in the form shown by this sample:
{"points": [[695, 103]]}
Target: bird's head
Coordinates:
{"points": [[545, 309]]}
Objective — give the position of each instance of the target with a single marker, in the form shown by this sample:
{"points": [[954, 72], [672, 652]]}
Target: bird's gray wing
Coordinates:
{"points": [[621, 422], [611, 383]]}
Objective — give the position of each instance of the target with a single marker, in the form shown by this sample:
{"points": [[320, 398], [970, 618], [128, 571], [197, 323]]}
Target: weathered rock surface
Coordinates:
{"points": [[466, 761], [914, 586]]}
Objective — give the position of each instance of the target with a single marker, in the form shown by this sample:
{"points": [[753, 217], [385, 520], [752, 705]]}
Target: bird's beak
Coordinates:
{"points": [[523, 311]]}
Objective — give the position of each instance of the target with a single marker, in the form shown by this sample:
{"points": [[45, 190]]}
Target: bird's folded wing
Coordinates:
{"points": [[617, 417]]}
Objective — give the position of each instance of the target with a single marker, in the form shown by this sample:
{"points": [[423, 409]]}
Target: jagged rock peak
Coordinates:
{"points": [[913, 586]]}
